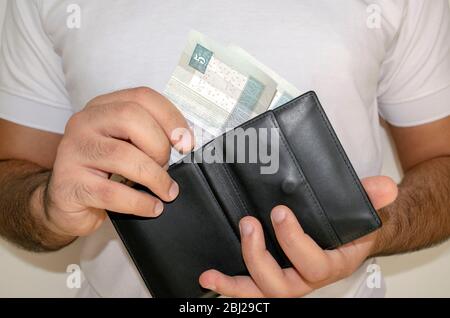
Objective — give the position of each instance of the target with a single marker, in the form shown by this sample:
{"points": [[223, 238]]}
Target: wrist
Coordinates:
{"points": [[381, 236], [52, 236]]}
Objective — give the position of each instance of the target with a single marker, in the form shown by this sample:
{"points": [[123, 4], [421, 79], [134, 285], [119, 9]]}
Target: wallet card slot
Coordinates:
{"points": [[226, 191], [307, 186], [230, 192], [265, 191]]}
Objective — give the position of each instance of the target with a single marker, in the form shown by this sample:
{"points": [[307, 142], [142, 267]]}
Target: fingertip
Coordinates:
{"points": [[378, 183], [249, 225], [158, 208], [391, 190], [208, 279], [283, 218], [391, 184], [250, 219], [246, 228], [278, 215], [282, 208], [382, 190], [183, 140], [174, 190]]}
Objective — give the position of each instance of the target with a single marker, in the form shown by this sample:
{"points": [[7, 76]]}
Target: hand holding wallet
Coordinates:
{"points": [[200, 229]]}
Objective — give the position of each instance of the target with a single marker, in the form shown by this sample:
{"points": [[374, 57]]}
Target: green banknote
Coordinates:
{"points": [[285, 90], [211, 83], [218, 87]]}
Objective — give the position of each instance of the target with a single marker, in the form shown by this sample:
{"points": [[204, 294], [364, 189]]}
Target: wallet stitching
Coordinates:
{"points": [[235, 189], [331, 231], [355, 182], [203, 180]]}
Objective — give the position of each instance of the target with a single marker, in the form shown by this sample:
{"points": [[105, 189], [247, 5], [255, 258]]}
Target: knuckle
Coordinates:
{"points": [[74, 122], [103, 192], [143, 170], [65, 149], [94, 101], [129, 111], [142, 93], [318, 274], [95, 149], [150, 171], [93, 112], [290, 238], [140, 203], [162, 180], [163, 152]]}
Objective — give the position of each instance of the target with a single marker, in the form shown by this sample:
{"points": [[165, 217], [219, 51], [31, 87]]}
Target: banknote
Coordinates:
{"points": [[218, 87], [285, 90], [215, 88]]}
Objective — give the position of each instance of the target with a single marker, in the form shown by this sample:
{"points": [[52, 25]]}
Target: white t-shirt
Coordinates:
{"points": [[399, 69]]}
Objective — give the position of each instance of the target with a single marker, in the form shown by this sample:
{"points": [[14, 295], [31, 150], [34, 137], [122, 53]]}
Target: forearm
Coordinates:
{"points": [[420, 217], [23, 220]]}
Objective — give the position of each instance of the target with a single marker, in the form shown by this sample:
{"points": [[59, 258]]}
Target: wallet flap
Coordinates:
{"points": [[327, 168], [190, 237]]}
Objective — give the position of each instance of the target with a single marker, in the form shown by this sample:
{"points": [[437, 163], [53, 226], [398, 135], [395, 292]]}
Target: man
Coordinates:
{"points": [[72, 115]]}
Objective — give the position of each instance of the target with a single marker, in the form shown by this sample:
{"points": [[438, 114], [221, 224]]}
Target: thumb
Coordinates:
{"points": [[381, 190]]}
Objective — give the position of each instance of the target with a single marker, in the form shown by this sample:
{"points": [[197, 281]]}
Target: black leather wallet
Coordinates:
{"points": [[199, 230]]}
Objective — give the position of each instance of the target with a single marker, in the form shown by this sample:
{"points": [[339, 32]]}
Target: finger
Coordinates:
{"points": [[105, 194], [381, 190], [230, 286], [162, 110], [130, 121], [305, 255], [300, 286], [119, 157], [261, 265]]}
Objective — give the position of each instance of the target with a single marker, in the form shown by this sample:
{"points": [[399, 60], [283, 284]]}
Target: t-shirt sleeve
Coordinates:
{"points": [[32, 86], [414, 86]]}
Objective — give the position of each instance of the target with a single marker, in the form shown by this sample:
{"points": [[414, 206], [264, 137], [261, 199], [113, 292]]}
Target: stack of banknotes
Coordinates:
{"points": [[218, 87]]}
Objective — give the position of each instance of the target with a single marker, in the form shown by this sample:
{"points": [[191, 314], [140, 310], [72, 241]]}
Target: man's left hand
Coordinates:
{"points": [[312, 268]]}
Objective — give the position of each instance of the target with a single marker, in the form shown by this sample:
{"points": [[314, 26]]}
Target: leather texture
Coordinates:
{"points": [[200, 229]]}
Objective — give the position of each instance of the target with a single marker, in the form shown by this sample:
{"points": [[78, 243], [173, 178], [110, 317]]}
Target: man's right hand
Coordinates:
{"points": [[129, 133]]}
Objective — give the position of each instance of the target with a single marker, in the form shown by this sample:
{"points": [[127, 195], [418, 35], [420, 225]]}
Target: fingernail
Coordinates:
{"points": [[185, 144], [246, 228], [174, 190], [159, 207], [278, 215]]}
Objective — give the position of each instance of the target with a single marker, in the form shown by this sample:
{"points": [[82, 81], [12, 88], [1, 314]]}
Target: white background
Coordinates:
{"points": [[24, 274]]}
